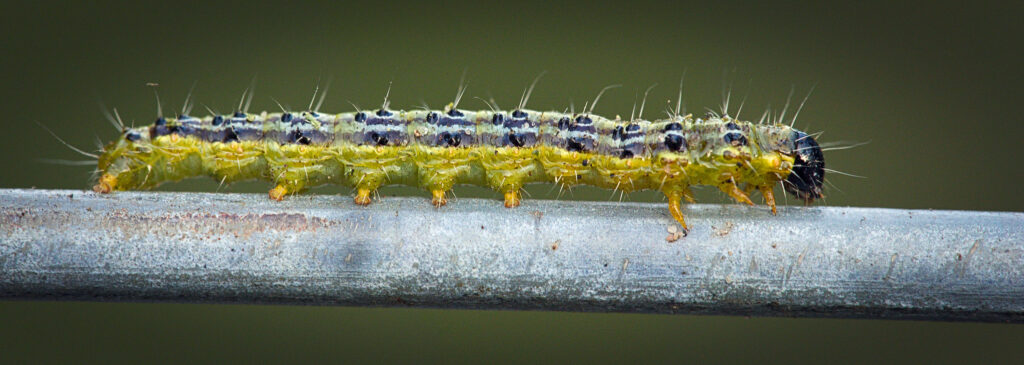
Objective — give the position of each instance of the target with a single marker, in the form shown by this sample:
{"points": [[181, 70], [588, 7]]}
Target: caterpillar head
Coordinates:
{"points": [[808, 175]]}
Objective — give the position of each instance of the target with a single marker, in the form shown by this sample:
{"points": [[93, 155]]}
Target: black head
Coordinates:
{"points": [[808, 174]]}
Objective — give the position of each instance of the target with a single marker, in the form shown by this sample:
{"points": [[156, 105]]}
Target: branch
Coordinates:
{"points": [[546, 255]]}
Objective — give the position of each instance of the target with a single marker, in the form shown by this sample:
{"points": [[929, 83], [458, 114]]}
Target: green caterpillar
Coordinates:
{"points": [[502, 150]]}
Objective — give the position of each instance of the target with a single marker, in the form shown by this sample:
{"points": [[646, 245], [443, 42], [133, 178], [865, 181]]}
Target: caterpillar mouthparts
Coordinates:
{"points": [[502, 150]]}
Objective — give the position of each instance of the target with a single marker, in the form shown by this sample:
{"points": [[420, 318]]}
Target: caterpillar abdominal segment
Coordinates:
{"points": [[502, 150]]}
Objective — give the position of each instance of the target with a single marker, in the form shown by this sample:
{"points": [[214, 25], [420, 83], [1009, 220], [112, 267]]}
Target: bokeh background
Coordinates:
{"points": [[933, 87]]}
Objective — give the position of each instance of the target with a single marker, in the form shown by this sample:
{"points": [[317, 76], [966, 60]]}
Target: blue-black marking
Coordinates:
{"points": [[450, 139], [675, 143], [674, 140], [392, 136], [623, 134], [132, 136], [498, 119], [734, 135]]}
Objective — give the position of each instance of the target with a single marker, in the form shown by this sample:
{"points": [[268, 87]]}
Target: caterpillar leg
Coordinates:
{"points": [[733, 191], [363, 196], [278, 192], [439, 185], [286, 188], [438, 198], [769, 197], [366, 182], [512, 198], [674, 201], [106, 184]]}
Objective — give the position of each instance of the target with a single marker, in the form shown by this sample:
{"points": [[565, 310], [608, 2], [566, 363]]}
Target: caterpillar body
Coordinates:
{"points": [[437, 149]]}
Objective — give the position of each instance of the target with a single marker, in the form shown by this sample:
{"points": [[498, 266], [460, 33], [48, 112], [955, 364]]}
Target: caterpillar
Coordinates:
{"points": [[498, 149]]}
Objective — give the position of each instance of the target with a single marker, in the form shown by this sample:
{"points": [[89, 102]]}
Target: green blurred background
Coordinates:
{"points": [[934, 87]]}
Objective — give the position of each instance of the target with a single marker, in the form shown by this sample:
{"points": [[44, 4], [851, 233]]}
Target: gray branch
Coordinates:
{"points": [[547, 255]]}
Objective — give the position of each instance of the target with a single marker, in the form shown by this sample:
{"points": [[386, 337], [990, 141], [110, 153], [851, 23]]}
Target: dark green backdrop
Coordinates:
{"points": [[935, 88]]}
